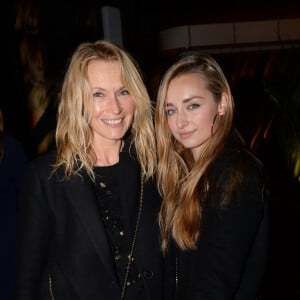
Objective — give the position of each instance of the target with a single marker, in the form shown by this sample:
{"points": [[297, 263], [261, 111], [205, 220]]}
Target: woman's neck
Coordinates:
{"points": [[108, 154]]}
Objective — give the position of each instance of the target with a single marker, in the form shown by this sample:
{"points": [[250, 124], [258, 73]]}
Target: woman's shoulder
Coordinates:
{"points": [[239, 157], [44, 159], [43, 163], [236, 177], [237, 168], [236, 155]]}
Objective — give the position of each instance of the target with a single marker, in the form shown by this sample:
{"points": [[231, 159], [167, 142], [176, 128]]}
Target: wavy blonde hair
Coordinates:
{"points": [[178, 174], [74, 134]]}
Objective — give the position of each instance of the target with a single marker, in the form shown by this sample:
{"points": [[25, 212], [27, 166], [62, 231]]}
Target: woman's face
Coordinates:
{"points": [[191, 108], [113, 107]]}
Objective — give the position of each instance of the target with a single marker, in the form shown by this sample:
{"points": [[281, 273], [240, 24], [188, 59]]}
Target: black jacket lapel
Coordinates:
{"points": [[89, 214]]}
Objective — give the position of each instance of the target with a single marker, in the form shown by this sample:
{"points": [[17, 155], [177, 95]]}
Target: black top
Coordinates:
{"points": [[118, 230], [231, 253], [61, 235]]}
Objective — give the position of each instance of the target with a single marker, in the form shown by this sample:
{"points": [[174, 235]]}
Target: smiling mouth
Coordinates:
{"points": [[185, 134], [112, 122]]}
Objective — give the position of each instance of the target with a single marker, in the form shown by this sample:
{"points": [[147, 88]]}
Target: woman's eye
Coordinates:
{"points": [[193, 106], [98, 94], [170, 112], [124, 92]]}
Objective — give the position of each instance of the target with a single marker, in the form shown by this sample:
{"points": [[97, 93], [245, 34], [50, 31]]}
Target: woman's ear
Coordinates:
{"points": [[222, 107]]}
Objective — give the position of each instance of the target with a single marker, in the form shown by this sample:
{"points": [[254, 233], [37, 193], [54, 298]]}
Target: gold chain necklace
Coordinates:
{"points": [[50, 287], [50, 284], [130, 258]]}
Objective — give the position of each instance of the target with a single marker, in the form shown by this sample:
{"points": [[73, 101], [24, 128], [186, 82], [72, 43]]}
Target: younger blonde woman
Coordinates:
{"points": [[213, 224]]}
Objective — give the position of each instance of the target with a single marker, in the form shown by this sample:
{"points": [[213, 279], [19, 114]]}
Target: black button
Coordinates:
{"points": [[148, 274]]}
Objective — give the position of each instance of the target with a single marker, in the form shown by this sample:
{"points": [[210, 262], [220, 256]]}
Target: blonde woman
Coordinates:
{"points": [[88, 226], [213, 225]]}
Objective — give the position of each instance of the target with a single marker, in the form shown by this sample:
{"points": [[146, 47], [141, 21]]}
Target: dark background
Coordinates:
{"points": [[265, 84], [61, 25]]}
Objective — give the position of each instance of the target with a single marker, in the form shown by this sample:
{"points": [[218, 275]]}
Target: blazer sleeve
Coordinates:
{"points": [[225, 243], [33, 235]]}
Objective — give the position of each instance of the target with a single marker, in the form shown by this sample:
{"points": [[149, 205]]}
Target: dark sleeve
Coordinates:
{"points": [[226, 240], [32, 236]]}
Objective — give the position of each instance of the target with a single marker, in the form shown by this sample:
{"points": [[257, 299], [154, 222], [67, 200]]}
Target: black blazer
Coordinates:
{"points": [[231, 255], [62, 244]]}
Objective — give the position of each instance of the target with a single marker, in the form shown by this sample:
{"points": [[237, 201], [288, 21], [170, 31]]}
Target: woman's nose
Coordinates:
{"points": [[182, 121], [114, 105]]}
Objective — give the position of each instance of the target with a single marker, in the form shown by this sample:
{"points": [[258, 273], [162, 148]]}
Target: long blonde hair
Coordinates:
{"points": [[178, 174], [73, 133]]}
